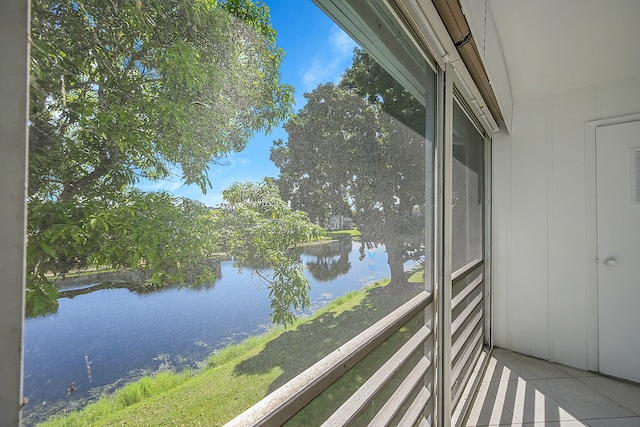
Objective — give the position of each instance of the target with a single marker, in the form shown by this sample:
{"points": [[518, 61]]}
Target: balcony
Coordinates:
{"points": [[522, 390]]}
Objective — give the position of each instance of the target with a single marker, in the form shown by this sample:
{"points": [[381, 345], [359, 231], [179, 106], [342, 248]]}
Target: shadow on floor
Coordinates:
{"points": [[522, 390]]}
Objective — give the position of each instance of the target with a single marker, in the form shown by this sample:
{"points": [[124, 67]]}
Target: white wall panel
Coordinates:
{"points": [[501, 223], [528, 297], [567, 241], [542, 247], [618, 98]]}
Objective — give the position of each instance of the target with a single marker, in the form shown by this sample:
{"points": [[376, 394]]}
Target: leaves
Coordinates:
{"points": [[122, 90], [358, 149], [172, 240], [40, 297], [261, 230]]}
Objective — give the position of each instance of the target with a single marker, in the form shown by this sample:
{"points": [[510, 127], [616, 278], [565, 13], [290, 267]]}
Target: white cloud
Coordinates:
{"points": [[341, 41], [330, 61], [169, 184]]}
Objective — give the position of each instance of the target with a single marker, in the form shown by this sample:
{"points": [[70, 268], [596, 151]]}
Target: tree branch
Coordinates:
{"points": [[78, 186]]}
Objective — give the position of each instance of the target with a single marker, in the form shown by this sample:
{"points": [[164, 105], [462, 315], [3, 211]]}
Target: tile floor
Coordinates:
{"points": [[518, 390]]}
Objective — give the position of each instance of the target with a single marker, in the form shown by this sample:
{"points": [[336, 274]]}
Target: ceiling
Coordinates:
{"points": [[553, 46]]}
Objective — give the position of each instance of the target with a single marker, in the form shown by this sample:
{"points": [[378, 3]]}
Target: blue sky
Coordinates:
{"points": [[317, 51]]}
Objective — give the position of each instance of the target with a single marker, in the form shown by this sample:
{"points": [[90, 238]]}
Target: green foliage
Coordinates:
{"points": [[169, 239], [242, 374], [359, 149], [222, 391], [125, 397], [40, 296], [331, 135], [260, 230], [123, 90]]}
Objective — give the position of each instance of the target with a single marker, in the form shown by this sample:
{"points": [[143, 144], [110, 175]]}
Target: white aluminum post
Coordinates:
{"points": [[14, 71], [488, 246], [432, 204], [438, 238], [444, 297]]}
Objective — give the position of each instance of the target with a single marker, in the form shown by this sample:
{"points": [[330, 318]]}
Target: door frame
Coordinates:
{"points": [[591, 224]]}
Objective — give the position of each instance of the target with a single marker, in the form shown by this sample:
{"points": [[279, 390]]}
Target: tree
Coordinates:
{"points": [[360, 144], [130, 89], [168, 239], [261, 230], [124, 89], [329, 261]]}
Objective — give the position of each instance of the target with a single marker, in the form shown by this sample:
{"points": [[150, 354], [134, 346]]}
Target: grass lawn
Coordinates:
{"points": [[340, 234], [242, 374]]}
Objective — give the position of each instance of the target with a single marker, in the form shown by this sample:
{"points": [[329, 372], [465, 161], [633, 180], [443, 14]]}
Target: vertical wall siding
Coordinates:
{"points": [[529, 222], [500, 226], [541, 249], [567, 226]]}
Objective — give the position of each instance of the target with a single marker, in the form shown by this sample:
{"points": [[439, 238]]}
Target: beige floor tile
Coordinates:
{"points": [[521, 390], [529, 367], [497, 371], [615, 422], [527, 403], [566, 423], [578, 398], [487, 411], [574, 372], [626, 394]]}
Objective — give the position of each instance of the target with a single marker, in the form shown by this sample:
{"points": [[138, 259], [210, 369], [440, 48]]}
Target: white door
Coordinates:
{"points": [[618, 199]]}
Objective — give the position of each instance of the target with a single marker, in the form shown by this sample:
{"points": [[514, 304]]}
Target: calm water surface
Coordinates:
{"points": [[124, 335]]}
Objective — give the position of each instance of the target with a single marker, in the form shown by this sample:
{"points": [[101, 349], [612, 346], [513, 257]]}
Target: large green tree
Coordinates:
{"points": [[260, 230], [123, 90], [359, 148]]}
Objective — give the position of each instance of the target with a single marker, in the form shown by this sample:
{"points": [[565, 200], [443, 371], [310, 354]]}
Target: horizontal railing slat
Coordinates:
{"points": [[455, 301], [456, 377], [468, 350], [401, 395], [466, 372], [465, 334], [358, 400], [462, 317], [416, 410], [286, 401], [466, 269]]}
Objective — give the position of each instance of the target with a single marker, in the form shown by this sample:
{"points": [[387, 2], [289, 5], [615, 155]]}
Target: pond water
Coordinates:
{"points": [[101, 340]]}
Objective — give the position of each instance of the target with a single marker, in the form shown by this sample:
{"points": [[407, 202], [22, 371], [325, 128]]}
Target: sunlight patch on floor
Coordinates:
{"points": [[521, 390]]}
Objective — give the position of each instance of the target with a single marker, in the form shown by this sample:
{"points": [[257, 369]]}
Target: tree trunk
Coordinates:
{"points": [[395, 259]]}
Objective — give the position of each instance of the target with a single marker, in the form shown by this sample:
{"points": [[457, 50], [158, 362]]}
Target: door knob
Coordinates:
{"points": [[610, 262]]}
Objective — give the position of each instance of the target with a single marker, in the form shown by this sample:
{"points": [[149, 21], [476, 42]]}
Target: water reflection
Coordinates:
{"points": [[325, 261], [124, 332], [328, 261]]}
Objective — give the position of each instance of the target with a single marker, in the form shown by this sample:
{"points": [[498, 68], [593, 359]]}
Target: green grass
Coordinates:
{"points": [[242, 374], [88, 271], [340, 234], [417, 277], [127, 396]]}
